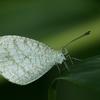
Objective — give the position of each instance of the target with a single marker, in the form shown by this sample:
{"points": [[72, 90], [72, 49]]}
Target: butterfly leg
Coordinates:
{"points": [[66, 66], [76, 59], [68, 62], [69, 59], [59, 70]]}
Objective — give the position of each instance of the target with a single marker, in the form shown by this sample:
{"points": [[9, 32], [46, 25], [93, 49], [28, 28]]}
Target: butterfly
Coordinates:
{"points": [[24, 60]]}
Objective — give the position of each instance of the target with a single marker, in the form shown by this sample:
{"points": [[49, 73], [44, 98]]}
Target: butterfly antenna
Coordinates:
{"points": [[79, 37]]}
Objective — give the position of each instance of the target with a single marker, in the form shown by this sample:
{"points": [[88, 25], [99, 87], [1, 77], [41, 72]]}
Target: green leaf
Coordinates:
{"points": [[86, 73], [84, 78]]}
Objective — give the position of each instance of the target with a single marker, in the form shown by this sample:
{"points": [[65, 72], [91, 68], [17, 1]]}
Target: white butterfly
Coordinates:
{"points": [[24, 60]]}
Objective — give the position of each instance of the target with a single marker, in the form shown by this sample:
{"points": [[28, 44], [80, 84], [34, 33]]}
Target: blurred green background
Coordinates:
{"points": [[54, 22]]}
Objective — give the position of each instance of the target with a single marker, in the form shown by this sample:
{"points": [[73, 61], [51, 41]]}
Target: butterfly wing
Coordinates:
{"points": [[24, 60]]}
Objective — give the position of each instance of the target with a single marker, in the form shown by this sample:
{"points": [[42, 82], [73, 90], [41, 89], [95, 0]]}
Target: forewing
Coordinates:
{"points": [[23, 60]]}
